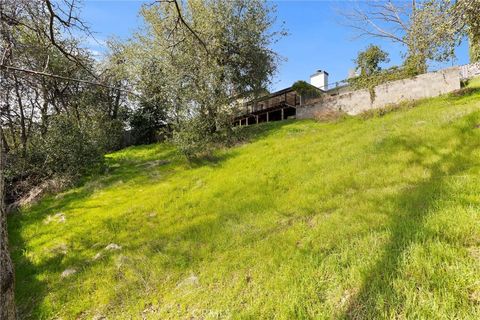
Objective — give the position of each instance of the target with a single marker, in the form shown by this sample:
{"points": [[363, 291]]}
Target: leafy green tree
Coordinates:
{"points": [[430, 37], [467, 17], [371, 73], [423, 28], [147, 122], [305, 90], [221, 50], [368, 61]]}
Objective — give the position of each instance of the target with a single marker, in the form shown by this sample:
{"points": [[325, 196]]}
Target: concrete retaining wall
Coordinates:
{"points": [[423, 86], [470, 71]]}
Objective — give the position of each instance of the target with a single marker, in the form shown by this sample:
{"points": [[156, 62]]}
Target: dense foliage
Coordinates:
{"points": [[183, 76], [50, 125], [148, 124], [368, 61], [306, 90], [190, 71], [371, 74], [467, 16]]}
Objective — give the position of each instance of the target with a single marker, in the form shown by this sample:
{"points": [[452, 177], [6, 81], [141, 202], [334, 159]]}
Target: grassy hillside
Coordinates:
{"points": [[362, 218]]}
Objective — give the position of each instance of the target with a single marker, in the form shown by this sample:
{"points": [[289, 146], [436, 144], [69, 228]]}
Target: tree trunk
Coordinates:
{"points": [[23, 128], [7, 276], [116, 106], [474, 48]]}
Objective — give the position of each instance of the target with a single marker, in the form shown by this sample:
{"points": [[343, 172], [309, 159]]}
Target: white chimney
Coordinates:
{"points": [[320, 80]]}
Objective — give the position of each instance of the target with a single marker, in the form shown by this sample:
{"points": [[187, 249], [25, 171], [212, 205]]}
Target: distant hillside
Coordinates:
{"points": [[365, 217]]}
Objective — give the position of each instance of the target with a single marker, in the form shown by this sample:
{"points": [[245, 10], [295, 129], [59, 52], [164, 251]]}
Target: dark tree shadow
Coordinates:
{"points": [[407, 226], [31, 290]]}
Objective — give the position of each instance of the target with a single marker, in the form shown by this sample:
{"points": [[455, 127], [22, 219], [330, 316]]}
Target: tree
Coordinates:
{"points": [[193, 75], [368, 61], [33, 37], [422, 27], [431, 36], [305, 90], [146, 123], [7, 276], [371, 74], [467, 17]]}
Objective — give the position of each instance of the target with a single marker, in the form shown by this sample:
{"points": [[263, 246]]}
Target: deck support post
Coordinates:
{"points": [[268, 116], [256, 117], [282, 113], [246, 121]]}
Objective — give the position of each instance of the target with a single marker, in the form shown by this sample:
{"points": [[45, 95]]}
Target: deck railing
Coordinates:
{"points": [[286, 98]]}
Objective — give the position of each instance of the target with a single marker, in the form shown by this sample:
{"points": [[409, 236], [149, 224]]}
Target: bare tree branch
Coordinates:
{"points": [[50, 75], [67, 23], [382, 20], [185, 23]]}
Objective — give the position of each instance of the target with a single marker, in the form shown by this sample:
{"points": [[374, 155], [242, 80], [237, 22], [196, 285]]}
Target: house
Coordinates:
{"points": [[282, 104]]}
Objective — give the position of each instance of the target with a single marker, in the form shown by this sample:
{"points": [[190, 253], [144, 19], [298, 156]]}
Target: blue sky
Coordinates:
{"points": [[316, 40]]}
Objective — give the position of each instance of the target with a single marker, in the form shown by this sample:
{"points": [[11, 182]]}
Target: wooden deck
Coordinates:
{"points": [[274, 107]]}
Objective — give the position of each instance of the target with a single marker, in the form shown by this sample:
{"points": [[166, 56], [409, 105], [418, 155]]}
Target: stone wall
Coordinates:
{"points": [[470, 71], [423, 86]]}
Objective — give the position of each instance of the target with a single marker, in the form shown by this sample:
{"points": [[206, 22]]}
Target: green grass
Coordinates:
{"points": [[363, 218], [474, 83]]}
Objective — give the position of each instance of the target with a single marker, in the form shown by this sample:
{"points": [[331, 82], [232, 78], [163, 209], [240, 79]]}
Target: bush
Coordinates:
{"points": [[107, 134], [147, 123], [66, 151], [464, 92], [70, 149], [193, 139], [380, 112], [200, 135], [330, 115]]}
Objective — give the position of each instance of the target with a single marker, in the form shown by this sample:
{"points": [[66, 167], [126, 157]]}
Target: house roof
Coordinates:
{"points": [[280, 92]]}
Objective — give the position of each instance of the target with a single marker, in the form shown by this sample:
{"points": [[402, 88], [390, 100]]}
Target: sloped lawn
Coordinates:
{"points": [[361, 218]]}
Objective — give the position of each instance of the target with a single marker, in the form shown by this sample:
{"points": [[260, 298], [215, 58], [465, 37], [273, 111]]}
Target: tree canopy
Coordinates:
{"points": [[368, 61], [194, 75]]}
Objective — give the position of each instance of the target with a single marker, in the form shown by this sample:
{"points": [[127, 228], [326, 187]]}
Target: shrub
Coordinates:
{"points": [[380, 112], [66, 151], [147, 124], [193, 139], [463, 92], [70, 149], [330, 115], [107, 134]]}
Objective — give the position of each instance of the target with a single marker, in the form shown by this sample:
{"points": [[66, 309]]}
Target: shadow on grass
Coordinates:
{"points": [[465, 92], [377, 296], [407, 224], [31, 290], [243, 135]]}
